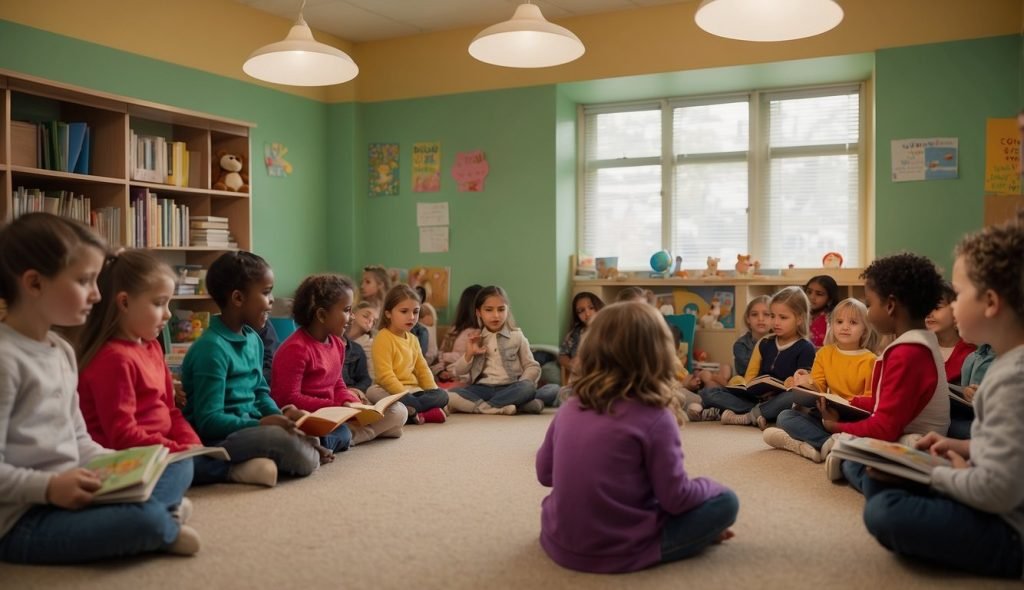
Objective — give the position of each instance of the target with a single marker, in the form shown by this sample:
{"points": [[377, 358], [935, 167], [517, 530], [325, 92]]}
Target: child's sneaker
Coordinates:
{"points": [[780, 439], [534, 406], [711, 415], [183, 511], [833, 468], [433, 416], [693, 412], [730, 417], [261, 471], [187, 542]]}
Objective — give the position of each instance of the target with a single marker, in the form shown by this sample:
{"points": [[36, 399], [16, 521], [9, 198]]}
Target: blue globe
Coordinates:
{"points": [[661, 261]]}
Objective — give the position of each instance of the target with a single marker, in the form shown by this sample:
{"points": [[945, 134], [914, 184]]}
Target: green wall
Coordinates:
{"points": [[288, 212], [505, 235], [940, 90]]}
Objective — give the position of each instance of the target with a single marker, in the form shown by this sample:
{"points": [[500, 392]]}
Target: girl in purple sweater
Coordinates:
{"points": [[620, 499]]}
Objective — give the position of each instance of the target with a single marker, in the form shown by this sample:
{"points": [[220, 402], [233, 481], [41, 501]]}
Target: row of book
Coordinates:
{"points": [[211, 232], [63, 147], [191, 279], [105, 220], [157, 222], [156, 159]]}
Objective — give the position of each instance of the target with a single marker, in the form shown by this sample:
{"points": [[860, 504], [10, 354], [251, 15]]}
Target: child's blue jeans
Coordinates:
{"points": [[939, 530], [52, 535], [804, 427], [686, 534], [513, 394]]}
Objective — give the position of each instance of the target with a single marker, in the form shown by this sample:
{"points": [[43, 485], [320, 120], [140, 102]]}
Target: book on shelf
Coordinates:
{"points": [[892, 458], [62, 146], [131, 474], [148, 158], [326, 420], [157, 222], [191, 275], [209, 225], [209, 218], [58, 202], [956, 393], [586, 266], [847, 411], [177, 164]]}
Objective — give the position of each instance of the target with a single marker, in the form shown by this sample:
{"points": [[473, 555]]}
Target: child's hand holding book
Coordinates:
{"points": [[72, 489], [949, 448], [278, 420]]}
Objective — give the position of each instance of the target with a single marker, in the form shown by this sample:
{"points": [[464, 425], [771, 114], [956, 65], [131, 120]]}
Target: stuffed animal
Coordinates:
{"points": [[710, 319], [712, 269], [742, 264], [232, 177]]}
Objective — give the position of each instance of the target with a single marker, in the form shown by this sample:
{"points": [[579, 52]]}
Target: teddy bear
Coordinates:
{"points": [[231, 177], [710, 319], [712, 269], [742, 264]]}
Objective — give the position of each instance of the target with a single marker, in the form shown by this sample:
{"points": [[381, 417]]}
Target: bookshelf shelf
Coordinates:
{"points": [[26, 171], [47, 124]]}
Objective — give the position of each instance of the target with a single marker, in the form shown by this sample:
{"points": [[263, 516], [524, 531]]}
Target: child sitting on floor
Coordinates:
{"points": [[620, 498]]}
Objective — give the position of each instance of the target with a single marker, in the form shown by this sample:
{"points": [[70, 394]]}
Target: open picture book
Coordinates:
{"points": [[759, 387], [131, 474], [892, 458], [847, 411], [325, 420]]}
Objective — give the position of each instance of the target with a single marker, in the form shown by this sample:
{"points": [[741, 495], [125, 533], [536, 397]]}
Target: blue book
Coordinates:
{"points": [[76, 139], [82, 162]]}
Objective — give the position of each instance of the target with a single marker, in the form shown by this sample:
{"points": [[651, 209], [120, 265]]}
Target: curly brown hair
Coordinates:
{"points": [[993, 259], [627, 353], [319, 292]]}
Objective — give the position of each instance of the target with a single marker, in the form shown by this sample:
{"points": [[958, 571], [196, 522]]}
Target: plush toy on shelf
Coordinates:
{"points": [[232, 176], [742, 265], [710, 319], [712, 269]]}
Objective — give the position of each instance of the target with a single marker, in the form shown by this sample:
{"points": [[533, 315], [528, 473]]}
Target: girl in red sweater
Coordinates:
{"points": [[125, 389], [307, 366]]}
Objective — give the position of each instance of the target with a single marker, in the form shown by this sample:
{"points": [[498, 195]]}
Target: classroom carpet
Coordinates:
{"points": [[458, 506]]}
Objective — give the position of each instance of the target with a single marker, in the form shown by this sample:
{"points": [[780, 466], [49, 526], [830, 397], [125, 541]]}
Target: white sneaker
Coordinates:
{"points": [[187, 542], [730, 417], [261, 471], [833, 468]]}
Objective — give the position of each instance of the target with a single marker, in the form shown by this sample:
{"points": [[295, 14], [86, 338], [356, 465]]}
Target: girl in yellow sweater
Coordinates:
{"points": [[398, 361], [842, 366]]}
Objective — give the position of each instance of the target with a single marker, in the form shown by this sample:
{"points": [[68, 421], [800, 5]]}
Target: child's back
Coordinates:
{"points": [[624, 466]]}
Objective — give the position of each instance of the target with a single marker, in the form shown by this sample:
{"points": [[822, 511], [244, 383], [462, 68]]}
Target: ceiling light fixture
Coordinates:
{"points": [[768, 20], [526, 40], [300, 60]]}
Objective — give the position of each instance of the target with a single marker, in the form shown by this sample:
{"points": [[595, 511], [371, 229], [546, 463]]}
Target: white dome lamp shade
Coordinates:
{"points": [[300, 60], [526, 40], [768, 20]]}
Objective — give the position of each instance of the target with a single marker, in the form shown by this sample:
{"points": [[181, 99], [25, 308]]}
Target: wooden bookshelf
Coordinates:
{"points": [[110, 181]]}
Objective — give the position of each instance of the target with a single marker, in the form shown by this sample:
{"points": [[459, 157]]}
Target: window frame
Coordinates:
{"points": [[758, 156]]}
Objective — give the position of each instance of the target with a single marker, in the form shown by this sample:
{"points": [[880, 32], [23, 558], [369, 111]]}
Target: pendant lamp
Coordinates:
{"points": [[300, 60], [526, 40], [768, 20]]}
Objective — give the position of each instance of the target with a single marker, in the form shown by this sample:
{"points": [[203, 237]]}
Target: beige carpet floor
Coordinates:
{"points": [[458, 506]]}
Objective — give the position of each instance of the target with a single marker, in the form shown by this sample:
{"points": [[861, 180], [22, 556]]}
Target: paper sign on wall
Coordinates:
{"points": [[935, 158], [1002, 157], [431, 214], [470, 171], [434, 239], [426, 167]]}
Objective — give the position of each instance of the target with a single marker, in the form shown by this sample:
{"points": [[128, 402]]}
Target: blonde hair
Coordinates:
{"points": [[854, 307], [796, 300], [631, 294], [750, 306], [396, 295], [627, 353], [381, 274]]}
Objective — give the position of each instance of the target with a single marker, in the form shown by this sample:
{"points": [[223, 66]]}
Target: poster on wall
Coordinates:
{"points": [[273, 157], [426, 167], [1002, 157], [470, 171], [434, 280], [434, 239], [935, 158], [383, 173]]}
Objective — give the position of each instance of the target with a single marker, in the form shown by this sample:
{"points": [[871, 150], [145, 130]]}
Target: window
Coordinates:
{"points": [[778, 175]]}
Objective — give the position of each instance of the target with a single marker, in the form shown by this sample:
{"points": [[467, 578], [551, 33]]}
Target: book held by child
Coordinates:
{"points": [[131, 474], [326, 420], [892, 458]]}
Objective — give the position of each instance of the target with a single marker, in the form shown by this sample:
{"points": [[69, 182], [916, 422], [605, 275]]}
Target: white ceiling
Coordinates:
{"points": [[372, 20]]}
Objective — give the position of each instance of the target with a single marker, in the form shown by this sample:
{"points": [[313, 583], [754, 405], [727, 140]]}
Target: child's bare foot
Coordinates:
{"points": [[326, 455], [725, 536]]}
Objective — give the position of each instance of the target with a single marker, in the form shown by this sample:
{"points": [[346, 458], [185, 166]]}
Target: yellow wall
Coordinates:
{"points": [[217, 35]]}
